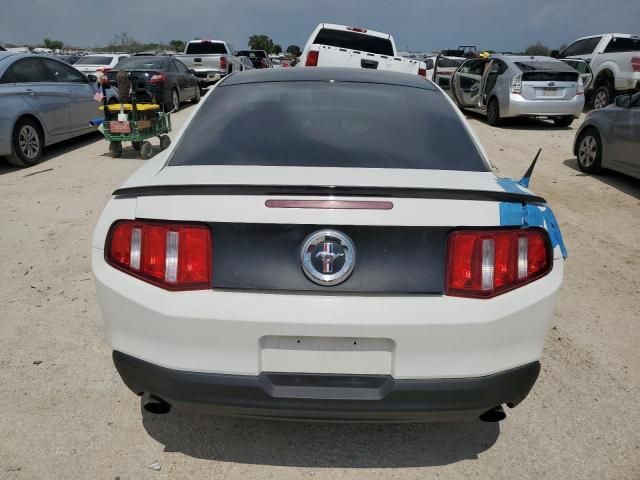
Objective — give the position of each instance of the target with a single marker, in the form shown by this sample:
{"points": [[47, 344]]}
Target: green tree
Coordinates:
{"points": [[53, 44], [538, 48], [294, 50], [277, 49], [177, 45], [261, 42]]}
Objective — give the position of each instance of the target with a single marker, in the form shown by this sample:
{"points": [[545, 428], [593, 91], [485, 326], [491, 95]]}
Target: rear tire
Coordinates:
{"points": [[590, 151], [115, 149], [602, 97], [27, 143], [493, 112], [174, 103], [146, 151], [196, 99], [563, 121]]}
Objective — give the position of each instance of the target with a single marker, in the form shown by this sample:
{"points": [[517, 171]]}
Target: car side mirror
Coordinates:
{"points": [[555, 53], [624, 101]]}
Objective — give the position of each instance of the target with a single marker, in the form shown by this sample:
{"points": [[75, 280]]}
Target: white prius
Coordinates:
{"points": [[356, 259]]}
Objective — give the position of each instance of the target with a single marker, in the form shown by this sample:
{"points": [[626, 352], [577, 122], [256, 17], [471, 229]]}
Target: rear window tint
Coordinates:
{"points": [[328, 124], [143, 63], [449, 62], [95, 60], [252, 53], [354, 41], [204, 48], [622, 44]]}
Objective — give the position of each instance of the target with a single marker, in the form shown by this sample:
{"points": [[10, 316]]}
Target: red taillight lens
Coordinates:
{"points": [[486, 263], [312, 58], [173, 256], [422, 72], [635, 64], [223, 63], [157, 79]]}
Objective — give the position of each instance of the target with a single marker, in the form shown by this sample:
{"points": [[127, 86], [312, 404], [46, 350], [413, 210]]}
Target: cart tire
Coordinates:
{"points": [[115, 149], [136, 146], [165, 141], [146, 150]]}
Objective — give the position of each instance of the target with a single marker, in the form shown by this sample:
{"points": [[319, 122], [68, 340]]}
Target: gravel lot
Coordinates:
{"points": [[67, 414]]}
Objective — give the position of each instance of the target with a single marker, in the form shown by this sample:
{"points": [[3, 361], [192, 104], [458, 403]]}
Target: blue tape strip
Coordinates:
{"points": [[510, 185], [518, 214]]}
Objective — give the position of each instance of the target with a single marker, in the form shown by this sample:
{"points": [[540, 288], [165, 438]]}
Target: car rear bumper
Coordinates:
{"points": [[519, 106], [335, 397]]}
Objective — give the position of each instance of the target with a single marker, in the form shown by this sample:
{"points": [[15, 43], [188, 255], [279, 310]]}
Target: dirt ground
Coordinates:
{"points": [[67, 415]]}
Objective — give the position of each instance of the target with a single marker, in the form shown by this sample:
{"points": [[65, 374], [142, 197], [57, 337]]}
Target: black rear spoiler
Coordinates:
{"points": [[340, 191]]}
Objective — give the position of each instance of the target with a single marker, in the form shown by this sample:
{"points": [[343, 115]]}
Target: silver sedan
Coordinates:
{"points": [[42, 101], [610, 138]]}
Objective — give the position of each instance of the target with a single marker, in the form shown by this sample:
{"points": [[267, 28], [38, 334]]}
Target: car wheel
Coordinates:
{"points": [[590, 151], [174, 104], [165, 141], [115, 149], [27, 143], [563, 121], [601, 97], [196, 99], [146, 151], [493, 112]]}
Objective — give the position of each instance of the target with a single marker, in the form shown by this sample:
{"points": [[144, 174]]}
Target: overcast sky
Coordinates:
{"points": [[419, 25]]}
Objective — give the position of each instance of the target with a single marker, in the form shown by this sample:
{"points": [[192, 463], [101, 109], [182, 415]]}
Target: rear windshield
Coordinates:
{"points": [[449, 62], [143, 63], [252, 53], [328, 124], [622, 44], [204, 48], [547, 71], [354, 41], [95, 60]]}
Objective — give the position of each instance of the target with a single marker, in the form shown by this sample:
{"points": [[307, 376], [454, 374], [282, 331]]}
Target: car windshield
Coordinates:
{"points": [[143, 63], [95, 60], [328, 124], [354, 41], [205, 47]]}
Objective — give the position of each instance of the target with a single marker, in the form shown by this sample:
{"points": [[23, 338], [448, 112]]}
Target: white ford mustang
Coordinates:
{"points": [[327, 244]]}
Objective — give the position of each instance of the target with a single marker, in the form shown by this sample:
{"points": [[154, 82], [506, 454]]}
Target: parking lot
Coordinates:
{"points": [[68, 415]]}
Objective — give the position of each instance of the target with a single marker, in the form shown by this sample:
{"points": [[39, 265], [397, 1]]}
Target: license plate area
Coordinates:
{"points": [[549, 92], [326, 355]]}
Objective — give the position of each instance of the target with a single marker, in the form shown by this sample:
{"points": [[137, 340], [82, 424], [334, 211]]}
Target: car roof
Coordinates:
{"points": [[327, 74]]}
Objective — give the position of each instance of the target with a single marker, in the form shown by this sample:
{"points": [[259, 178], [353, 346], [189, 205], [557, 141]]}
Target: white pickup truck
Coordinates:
{"points": [[353, 47], [614, 59], [211, 60]]}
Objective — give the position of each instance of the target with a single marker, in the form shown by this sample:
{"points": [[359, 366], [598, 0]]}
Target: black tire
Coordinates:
{"points": [[602, 97], [136, 146], [196, 99], [174, 102], [27, 143], [493, 112], [565, 121], [165, 141], [146, 150], [115, 149], [589, 151]]}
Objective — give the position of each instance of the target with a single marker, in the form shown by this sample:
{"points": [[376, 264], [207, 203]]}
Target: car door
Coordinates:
{"points": [[48, 100], [624, 142], [82, 106], [186, 80], [466, 82]]}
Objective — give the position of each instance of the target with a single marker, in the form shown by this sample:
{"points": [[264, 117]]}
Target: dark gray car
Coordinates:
{"points": [[610, 138]]}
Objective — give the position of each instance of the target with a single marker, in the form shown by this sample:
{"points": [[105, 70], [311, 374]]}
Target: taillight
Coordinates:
{"points": [[486, 263], [173, 256], [157, 79], [516, 84], [422, 72], [223, 63], [635, 64], [312, 58], [103, 70]]}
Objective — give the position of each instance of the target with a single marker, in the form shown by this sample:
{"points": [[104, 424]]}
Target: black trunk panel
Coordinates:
{"points": [[388, 259]]}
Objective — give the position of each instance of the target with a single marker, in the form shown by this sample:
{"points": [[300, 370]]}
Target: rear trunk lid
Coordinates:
{"points": [[343, 57], [548, 80]]}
